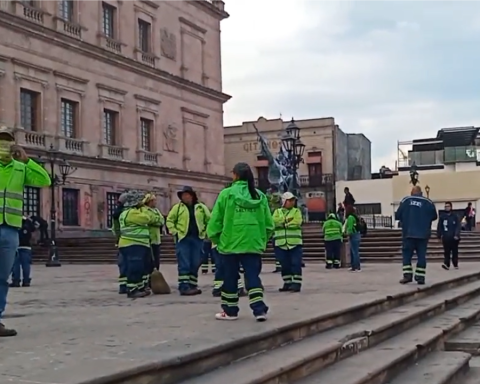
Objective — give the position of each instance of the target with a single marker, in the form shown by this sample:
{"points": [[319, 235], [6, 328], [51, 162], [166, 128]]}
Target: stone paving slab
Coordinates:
{"points": [[73, 326]]}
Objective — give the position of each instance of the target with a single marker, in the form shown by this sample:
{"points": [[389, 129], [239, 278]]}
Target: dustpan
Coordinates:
{"points": [[158, 283]]}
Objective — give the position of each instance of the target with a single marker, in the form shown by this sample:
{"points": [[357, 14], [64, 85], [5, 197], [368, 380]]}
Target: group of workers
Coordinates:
{"points": [[239, 228]]}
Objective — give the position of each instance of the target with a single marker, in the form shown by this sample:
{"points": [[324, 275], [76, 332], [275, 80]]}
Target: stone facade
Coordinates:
{"points": [[129, 92]]}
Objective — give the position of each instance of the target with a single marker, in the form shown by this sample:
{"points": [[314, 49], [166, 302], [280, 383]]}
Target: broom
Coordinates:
{"points": [[158, 283]]}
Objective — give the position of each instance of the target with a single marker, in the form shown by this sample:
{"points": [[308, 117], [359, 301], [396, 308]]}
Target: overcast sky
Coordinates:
{"points": [[393, 70]]}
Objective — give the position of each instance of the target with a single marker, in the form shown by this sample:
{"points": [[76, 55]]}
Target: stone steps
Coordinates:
{"points": [[371, 343]]}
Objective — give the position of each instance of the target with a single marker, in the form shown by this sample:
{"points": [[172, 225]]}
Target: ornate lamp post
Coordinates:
{"points": [[65, 171], [295, 148]]}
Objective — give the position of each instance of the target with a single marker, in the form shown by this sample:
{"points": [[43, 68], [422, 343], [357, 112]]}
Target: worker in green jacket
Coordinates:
{"points": [[333, 235], [289, 243], [155, 230], [241, 225], [16, 172], [122, 265], [187, 222], [134, 242]]}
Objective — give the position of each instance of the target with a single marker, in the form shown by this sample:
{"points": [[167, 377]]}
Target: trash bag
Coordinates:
{"points": [[159, 284]]}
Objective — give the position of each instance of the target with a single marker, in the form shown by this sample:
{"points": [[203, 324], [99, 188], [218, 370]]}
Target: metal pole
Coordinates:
{"points": [[53, 259]]}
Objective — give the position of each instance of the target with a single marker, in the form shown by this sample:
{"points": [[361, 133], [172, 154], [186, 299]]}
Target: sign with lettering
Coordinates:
{"points": [[254, 146]]}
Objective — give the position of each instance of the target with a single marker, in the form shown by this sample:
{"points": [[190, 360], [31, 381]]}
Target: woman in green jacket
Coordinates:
{"points": [[241, 225]]}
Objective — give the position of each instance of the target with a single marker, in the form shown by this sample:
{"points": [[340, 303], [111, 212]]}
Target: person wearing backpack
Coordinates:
{"points": [[333, 235], [352, 230], [241, 225], [187, 222]]}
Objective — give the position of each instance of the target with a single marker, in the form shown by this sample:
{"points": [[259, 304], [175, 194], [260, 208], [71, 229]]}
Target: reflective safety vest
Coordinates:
{"points": [[139, 234], [288, 236], [11, 198]]}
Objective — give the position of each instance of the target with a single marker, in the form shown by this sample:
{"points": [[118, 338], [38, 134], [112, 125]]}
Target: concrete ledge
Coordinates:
{"points": [[195, 364]]}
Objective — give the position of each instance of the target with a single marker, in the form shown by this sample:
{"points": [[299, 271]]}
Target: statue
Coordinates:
{"points": [[413, 175]]}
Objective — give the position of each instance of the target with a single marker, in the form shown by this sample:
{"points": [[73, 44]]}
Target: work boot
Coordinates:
{"points": [[189, 292], [405, 280], [14, 285], [26, 284], [5, 332], [295, 288], [336, 266], [137, 294], [198, 291], [216, 292], [285, 288], [328, 266], [242, 292]]}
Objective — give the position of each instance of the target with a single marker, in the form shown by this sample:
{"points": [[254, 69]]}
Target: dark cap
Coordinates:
{"points": [[186, 189]]}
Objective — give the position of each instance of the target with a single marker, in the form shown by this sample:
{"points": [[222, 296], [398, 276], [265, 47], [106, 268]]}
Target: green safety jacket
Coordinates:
{"points": [[14, 176], [134, 226], [288, 227], [332, 228], [178, 220], [155, 230]]}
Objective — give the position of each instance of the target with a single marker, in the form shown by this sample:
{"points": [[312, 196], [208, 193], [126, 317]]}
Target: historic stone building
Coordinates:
{"points": [[330, 155], [129, 92]]}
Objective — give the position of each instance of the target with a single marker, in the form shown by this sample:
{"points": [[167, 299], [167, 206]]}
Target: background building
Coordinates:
{"points": [[448, 171], [130, 92], [330, 155]]}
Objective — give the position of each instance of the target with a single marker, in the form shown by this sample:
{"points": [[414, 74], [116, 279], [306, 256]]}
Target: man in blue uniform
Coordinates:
{"points": [[448, 229], [416, 213]]}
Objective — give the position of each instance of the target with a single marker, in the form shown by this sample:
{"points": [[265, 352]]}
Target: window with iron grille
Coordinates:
{"points": [[70, 206], [110, 119], [65, 9], [146, 133], [68, 118], [144, 33], [112, 200], [108, 20], [31, 201], [369, 209], [29, 109]]}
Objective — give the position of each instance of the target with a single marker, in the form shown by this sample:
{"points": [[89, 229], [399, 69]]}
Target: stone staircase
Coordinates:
{"points": [[381, 245], [427, 335]]}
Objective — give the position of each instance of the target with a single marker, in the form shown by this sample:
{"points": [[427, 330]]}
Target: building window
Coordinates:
{"points": [[146, 134], [31, 201], [65, 9], [369, 209], [108, 20], [110, 119], [68, 118], [70, 207], [315, 175], [112, 200], [29, 108], [314, 154], [144, 33]]}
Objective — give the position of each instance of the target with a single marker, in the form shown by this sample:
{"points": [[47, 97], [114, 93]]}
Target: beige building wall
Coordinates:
{"points": [[241, 141], [163, 89]]}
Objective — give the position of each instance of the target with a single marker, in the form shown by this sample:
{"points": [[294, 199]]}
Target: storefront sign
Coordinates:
{"points": [[254, 146]]}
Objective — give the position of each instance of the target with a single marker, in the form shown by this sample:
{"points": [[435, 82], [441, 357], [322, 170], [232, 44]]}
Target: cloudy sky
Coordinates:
{"points": [[394, 70]]}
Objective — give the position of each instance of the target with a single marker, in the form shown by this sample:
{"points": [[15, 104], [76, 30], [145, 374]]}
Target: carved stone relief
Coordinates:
{"points": [[170, 132], [168, 44]]}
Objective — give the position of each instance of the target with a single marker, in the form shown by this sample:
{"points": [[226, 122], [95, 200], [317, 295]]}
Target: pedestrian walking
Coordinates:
{"points": [[448, 230], [241, 225], [289, 243], [187, 222], [333, 236], [16, 171], [21, 271], [416, 213]]}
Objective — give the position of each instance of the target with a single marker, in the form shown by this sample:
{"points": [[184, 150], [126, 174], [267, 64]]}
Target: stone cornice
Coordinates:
{"points": [[208, 7], [90, 162], [51, 36]]}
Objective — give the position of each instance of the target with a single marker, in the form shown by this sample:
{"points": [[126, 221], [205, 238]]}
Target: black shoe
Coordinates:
{"points": [[295, 289], [285, 288], [26, 285], [336, 266], [405, 280], [5, 332], [328, 266], [216, 293], [445, 267], [14, 285]]}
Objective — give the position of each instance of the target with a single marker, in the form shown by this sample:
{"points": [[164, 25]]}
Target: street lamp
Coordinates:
{"points": [[295, 149], [65, 170]]}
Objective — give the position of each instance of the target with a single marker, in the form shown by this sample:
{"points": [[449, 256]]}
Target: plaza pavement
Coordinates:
{"points": [[73, 326]]}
